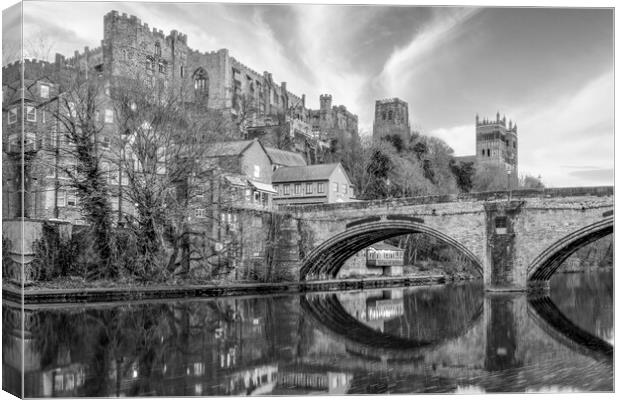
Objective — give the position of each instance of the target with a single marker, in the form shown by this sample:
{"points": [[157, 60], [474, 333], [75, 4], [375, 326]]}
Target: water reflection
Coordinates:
{"points": [[431, 339]]}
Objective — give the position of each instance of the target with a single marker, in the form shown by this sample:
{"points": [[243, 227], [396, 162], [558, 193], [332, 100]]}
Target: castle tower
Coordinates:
{"points": [[498, 144], [391, 117], [326, 102]]}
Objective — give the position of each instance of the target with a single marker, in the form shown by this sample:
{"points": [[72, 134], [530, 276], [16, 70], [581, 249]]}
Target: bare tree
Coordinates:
{"points": [[75, 113], [165, 134]]}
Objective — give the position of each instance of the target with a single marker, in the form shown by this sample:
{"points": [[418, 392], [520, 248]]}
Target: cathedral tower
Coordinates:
{"points": [[391, 117]]}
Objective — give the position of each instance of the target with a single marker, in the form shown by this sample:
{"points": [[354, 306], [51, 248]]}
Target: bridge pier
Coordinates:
{"points": [[502, 271]]}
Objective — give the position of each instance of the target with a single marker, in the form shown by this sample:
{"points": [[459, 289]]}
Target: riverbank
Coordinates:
{"points": [[39, 295]]}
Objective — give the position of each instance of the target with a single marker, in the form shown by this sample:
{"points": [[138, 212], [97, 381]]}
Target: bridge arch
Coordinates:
{"points": [[546, 263], [547, 315], [327, 258], [327, 314]]}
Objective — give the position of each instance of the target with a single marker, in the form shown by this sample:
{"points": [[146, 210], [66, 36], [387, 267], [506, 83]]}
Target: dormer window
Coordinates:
{"points": [[44, 91]]}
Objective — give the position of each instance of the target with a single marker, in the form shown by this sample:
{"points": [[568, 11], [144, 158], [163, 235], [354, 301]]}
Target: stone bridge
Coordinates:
{"points": [[516, 240]]}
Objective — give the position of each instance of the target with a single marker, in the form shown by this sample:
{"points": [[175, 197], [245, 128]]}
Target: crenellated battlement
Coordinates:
{"points": [[114, 17], [498, 122], [390, 100], [239, 64]]}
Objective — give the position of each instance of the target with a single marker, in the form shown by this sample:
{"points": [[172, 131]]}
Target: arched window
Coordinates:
{"points": [[157, 49], [201, 82]]}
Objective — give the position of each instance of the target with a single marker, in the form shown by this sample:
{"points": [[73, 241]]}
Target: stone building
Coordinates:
{"points": [[497, 143], [333, 122], [313, 184], [391, 117], [130, 49]]}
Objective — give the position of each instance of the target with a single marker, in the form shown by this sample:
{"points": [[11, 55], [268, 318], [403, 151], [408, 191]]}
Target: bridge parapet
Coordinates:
{"points": [[594, 191]]}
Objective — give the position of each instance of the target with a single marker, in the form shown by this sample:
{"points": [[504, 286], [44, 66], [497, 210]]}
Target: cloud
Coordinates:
{"points": [[401, 66], [595, 175], [576, 128]]}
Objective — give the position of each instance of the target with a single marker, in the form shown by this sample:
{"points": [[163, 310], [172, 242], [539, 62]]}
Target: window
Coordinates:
{"points": [[31, 113], [256, 171], [256, 196], [43, 116], [344, 188], [287, 189], [383, 115], [514, 144], [157, 49], [390, 115], [320, 188], [201, 213], [297, 188], [162, 67], [501, 225], [335, 187], [12, 115], [149, 66], [62, 197], [276, 188], [201, 81], [108, 116], [53, 137], [71, 112], [71, 199], [44, 91], [308, 188], [105, 142], [105, 170], [182, 71]]}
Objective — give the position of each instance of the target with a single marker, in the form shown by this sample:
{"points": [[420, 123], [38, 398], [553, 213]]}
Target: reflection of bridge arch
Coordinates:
{"points": [[553, 322], [328, 315], [329, 256], [547, 262]]}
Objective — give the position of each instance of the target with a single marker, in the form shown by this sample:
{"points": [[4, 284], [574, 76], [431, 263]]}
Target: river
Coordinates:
{"points": [[433, 339]]}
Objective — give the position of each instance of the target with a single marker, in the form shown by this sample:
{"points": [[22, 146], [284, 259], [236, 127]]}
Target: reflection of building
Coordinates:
{"points": [[308, 380], [386, 256], [314, 184]]}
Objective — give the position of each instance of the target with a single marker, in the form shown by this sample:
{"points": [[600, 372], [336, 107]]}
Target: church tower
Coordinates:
{"points": [[391, 117], [497, 143]]}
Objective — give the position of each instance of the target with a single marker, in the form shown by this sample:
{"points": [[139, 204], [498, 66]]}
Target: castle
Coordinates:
{"points": [[254, 104]]}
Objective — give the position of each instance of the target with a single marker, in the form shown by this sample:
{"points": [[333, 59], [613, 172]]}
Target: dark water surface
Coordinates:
{"points": [[452, 338]]}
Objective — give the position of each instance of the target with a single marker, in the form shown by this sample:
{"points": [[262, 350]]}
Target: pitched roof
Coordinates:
{"points": [[232, 148], [385, 246], [286, 158], [309, 173]]}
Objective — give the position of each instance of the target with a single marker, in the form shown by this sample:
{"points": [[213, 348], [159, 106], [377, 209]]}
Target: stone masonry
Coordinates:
{"points": [[516, 239]]}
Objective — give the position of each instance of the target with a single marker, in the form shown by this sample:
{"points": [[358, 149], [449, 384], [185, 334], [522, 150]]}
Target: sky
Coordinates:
{"points": [[549, 69]]}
